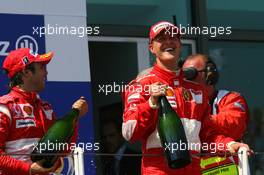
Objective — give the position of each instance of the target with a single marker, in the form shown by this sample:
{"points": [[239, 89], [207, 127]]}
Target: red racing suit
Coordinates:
{"points": [[140, 119], [230, 115], [24, 119]]}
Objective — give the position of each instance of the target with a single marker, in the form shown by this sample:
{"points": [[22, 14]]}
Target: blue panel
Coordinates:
{"points": [[61, 96], [15, 27]]}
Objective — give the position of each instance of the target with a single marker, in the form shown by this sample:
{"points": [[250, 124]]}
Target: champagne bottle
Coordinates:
{"points": [[56, 139], [171, 132]]}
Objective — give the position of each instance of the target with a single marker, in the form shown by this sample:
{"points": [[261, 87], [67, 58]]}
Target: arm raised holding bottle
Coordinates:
{"points": [[63, 131], [24, 117]]}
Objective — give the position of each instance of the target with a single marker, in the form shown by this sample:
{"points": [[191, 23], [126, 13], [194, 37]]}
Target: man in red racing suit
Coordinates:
{"points": [[24, 117], [188, 99], [229, 110], [230, 113]]}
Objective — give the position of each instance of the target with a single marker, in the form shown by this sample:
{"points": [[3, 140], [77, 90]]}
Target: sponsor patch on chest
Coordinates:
{"points": [[171, 96], [187, 96], [22, 111], [191, 95], [25, 123]]}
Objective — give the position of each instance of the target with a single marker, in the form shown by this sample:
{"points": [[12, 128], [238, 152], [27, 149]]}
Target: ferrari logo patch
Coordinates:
{"points": [[187, 96], [28, 110]]}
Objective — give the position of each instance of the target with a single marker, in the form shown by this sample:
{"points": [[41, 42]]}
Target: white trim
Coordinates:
{"points": [[192, 129], [25, 123], [144, 76], [20, 144], [134, 96], [153, 140], [162, 25], [128, 129], [23, 146], [219, 97]]}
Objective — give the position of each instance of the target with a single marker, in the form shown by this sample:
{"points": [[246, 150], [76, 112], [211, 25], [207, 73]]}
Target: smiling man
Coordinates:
{"points": [[187, 98]]}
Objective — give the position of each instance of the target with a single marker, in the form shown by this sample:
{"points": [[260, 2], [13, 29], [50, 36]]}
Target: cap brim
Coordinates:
{"points": [[162, 29], [168, 30], [44, 58]]}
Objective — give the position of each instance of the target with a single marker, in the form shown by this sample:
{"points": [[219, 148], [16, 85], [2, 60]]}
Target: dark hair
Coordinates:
{"points": [[17, 78]]}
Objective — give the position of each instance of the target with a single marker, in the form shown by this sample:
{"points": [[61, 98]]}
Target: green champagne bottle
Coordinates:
{"points": [[56, 139], [172, 134]]}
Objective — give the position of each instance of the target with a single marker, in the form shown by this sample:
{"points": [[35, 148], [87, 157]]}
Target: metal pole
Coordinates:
{"points": [[78, 161], [243, 166]]}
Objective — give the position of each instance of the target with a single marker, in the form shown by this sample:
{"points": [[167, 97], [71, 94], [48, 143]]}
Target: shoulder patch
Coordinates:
{"points": [[197, 96]]}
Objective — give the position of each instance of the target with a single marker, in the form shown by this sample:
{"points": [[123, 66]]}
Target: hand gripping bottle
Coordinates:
{"points": [[172, 135]]}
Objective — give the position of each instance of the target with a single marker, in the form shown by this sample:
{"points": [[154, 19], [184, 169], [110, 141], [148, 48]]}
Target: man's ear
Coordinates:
{"points": [[151, 48]]}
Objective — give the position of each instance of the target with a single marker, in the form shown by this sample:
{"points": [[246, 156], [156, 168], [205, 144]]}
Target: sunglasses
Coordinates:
{"points": [[191, 73]]}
